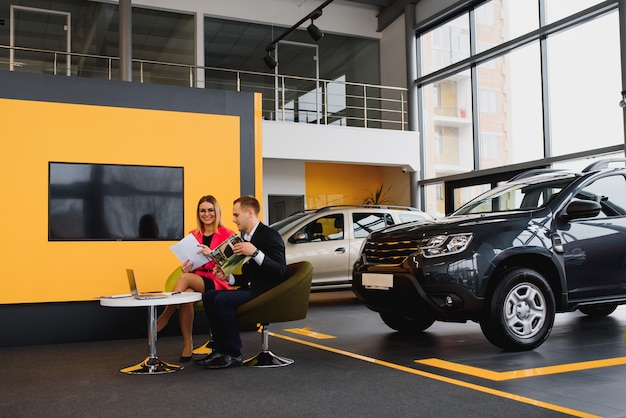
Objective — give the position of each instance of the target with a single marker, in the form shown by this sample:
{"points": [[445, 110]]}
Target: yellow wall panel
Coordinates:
{"points": [[337, 184], [258, 150], [34, 133]]}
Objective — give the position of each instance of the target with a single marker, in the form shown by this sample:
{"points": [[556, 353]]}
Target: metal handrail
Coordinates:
{"points": [[284, 96]]}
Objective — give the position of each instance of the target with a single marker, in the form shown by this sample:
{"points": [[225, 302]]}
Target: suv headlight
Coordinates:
{"points": [[440, 245]]}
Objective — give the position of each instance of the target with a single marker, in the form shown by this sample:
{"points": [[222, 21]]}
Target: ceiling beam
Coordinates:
{"points": [[390, 13], [378, 3]]}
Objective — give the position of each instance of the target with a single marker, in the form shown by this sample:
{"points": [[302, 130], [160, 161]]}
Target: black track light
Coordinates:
{"points": [[269, 61], [314, 31]]}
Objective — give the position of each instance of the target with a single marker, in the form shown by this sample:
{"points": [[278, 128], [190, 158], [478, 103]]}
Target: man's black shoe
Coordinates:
{"points": [[208, 359], [224, 361]]}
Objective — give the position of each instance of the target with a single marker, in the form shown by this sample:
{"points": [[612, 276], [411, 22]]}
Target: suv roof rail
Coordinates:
{"points": [[599, 165], [534, 172], [356, 205]]}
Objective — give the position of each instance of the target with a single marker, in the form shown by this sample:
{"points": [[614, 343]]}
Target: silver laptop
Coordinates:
{"points": [[133, 288]]}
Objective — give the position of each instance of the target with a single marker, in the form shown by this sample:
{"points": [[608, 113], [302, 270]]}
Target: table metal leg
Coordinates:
{"points": [[152, 364]]}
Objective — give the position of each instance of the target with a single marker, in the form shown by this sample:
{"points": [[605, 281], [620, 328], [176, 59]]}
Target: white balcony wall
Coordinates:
{"points": [[287, 146], [282, 177], [340, 144]]}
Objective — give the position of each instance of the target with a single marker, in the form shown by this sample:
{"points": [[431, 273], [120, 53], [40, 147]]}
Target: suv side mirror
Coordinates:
{"points": [[298, 237], [578, 209]]}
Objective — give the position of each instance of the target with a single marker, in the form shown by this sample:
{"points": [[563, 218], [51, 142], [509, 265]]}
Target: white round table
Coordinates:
{"points": [[152, 364]]}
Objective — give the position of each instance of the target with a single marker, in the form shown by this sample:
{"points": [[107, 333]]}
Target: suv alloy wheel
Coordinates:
{"points": [[520, 312]]}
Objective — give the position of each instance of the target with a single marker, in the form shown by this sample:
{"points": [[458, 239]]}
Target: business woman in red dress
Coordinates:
{"points": [[210, 233]]}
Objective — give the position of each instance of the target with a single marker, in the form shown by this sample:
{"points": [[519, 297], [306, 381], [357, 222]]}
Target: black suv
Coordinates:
{"points": [[546, 241]]}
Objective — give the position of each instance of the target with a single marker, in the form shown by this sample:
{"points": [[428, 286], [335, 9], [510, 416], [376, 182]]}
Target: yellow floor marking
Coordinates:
{"points": [[433, 376], [520, 374], [306, 331]]}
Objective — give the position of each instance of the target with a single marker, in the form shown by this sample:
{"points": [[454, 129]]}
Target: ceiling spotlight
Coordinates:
{"points": [[314, 31], [269, 61]]}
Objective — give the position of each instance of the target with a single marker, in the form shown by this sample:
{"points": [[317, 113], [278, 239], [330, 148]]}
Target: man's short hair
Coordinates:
{"points": [[249, 202]]}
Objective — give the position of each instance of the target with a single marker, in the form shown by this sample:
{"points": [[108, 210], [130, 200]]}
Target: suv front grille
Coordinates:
{"points": [[389, 252]]}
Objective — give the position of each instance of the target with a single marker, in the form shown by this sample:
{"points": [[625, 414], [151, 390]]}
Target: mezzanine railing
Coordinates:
{"points": [[285, 98]]}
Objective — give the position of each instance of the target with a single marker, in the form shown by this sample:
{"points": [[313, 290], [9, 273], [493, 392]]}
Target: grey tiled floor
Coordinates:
{"points": [[575, 339], [364, 369]]}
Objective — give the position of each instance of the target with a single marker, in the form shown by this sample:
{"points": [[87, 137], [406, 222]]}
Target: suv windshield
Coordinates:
{"points": [[288, 222], [528, 194]]}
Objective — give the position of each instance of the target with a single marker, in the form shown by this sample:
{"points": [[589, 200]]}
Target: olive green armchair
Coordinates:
{"points": [[289, 301]]}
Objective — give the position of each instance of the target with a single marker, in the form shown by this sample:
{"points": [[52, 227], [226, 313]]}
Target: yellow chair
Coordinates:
{"points": [[289, 301], [198, 306]]}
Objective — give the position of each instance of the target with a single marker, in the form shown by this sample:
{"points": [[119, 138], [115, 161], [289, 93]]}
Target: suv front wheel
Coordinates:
{"points": [[407, 324], [597, 311], [520, 313]]}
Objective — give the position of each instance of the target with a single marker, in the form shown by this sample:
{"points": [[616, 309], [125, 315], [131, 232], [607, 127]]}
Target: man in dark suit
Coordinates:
{"points": [[265, 269]]}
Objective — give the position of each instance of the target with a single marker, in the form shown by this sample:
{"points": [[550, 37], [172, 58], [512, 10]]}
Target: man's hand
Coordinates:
{"points": [[244, 248], [219, 273]]}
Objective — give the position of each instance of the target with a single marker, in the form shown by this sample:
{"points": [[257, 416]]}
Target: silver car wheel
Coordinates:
{"points": [[525, 310]]}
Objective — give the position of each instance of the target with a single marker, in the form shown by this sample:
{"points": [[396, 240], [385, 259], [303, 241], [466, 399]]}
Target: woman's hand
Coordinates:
{"points": [[206, 251], [187, 266]]}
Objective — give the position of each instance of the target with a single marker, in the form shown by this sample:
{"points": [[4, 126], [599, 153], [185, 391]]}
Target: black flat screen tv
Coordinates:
{"points": [[114, 202]]}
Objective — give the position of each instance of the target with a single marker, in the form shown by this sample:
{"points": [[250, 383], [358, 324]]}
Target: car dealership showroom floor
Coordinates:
{"points": [[347, 363]]}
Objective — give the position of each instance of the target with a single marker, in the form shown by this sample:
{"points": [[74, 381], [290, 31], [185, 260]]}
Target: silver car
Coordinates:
{"points": [[331, 237]]}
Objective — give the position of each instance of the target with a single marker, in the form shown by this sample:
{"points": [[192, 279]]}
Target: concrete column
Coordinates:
{"points": [[411, 75], [622, 48], [126, 40], [199, 58]]}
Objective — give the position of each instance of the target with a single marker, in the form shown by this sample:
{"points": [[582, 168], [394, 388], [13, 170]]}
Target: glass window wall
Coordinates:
{"points": [[447, 134], [559, 9], [510, 116], [490, 110], [434, 197], [585, 81], [499, 21], [446, 45]]}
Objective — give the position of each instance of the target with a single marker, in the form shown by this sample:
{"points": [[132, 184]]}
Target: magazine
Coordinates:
{"points": [[188, 248], [225, 257]]}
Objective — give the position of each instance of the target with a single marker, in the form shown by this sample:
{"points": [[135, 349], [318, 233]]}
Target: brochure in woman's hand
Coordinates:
{"points": [[188, 248]]}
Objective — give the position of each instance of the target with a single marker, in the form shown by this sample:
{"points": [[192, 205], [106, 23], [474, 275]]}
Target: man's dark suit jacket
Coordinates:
{"points": [[273, 270]]}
